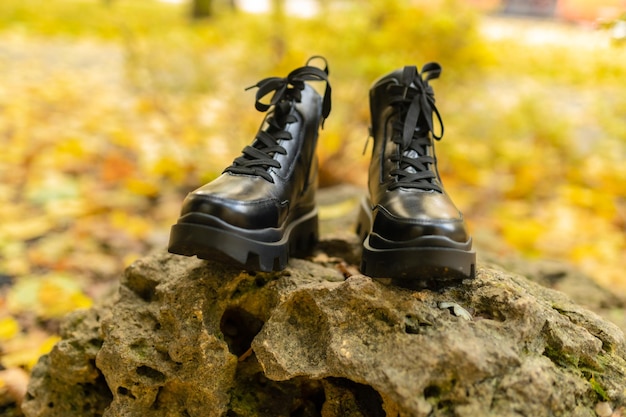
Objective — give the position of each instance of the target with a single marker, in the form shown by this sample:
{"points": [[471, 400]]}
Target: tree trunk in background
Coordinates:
{"points": [[278, 37], [201, 9]]}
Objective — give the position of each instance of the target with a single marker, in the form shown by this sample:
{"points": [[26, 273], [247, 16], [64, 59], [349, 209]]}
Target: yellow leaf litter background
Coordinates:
{"points": [[109, 115]]}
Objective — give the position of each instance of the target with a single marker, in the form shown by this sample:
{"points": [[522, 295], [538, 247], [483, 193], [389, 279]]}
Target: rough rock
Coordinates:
{"points": [[564, 277], [186, 337], [66, 382]]}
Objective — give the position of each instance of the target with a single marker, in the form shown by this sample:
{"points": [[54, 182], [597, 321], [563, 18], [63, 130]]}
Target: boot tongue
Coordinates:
{"points": [[415, 162], [415, 149], [281, 114], [411, 154], [414, 132], [420, 97]]}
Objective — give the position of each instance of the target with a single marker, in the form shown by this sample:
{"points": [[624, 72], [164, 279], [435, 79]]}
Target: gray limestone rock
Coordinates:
{"points": [[186, 337]]}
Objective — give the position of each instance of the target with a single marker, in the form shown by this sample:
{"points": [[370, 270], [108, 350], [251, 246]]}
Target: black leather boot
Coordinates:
{"points": [[262, 208], [413, 235]]}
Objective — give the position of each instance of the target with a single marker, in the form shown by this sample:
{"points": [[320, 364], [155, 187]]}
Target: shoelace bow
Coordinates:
{"points": [[258, 158], [416, 101]]}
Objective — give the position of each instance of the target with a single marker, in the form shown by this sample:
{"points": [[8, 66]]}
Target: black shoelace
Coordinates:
{"points": [[415, 101], [259, 157]]}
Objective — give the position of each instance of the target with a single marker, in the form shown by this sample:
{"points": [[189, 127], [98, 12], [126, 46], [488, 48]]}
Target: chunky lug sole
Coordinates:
{"points": [[228, 243], [412, 266]]}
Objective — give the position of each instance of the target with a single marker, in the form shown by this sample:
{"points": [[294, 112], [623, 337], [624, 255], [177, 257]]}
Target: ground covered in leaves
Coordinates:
{"points": [[111, 112]]}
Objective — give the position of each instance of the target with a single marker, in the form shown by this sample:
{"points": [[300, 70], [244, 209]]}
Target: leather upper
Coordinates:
{"points": [[252, 202], [402, 213]]}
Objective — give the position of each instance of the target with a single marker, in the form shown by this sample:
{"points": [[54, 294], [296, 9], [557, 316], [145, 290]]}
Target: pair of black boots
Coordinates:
{"points": [[262, 208]]}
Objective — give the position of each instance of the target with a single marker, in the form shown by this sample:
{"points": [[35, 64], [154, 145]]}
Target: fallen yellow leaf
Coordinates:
{"points": [[48, 296], [9, 327]]}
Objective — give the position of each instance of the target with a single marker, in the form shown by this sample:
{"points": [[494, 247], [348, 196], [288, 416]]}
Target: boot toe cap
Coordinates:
{"points": [[257, 214], [405, 229]]}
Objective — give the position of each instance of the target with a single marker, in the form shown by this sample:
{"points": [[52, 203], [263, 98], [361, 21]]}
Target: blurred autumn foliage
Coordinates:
{"points": [[111, 111]]}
